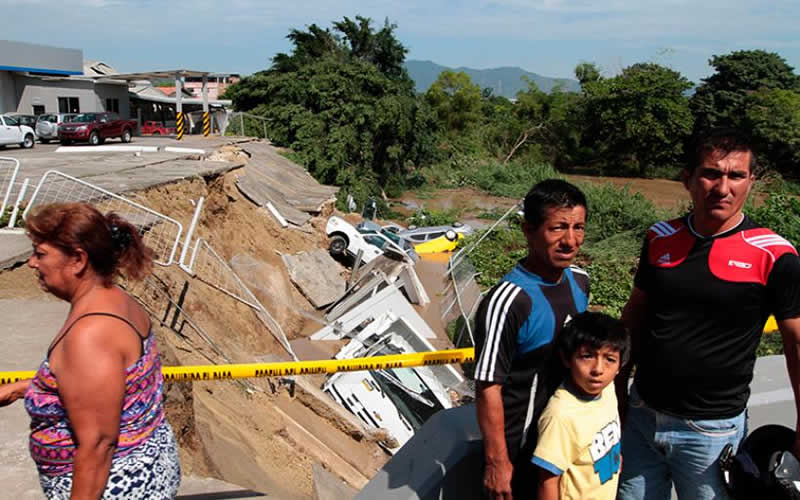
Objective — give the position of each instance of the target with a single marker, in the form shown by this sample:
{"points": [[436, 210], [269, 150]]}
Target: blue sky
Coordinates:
{"points": [[548, 37]]}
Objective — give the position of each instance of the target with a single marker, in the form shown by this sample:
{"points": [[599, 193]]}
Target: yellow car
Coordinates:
{"points": [[445, 243]]}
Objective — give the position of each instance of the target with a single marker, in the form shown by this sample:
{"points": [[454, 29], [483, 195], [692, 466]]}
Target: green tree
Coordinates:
{"points": [[638, 118], [751, 90], [721, 99], [773, 116], [380, 48], [456, 100], [343, 103], [587, 72]]}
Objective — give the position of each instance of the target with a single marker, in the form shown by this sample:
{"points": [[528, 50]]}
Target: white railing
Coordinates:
{"points": [[207, 266], [9, 168], [161, 233]]}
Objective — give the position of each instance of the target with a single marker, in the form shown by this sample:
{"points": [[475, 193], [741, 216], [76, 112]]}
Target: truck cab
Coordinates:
{"points": [[13, 132]]}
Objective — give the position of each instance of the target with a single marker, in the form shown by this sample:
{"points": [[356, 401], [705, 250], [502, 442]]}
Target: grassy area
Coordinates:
{"points": [[512, 180], [771, 343]]}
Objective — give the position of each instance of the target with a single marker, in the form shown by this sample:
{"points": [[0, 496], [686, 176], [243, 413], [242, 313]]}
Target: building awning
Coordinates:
{"points": [[156, 75], [152, 94]]}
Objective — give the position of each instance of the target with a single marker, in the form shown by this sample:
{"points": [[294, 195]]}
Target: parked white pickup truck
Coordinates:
{"points": [[12, 132]]}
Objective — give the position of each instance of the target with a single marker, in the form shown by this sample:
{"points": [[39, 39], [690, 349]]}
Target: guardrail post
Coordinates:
{"points": [[12, 221], [189, 233]]}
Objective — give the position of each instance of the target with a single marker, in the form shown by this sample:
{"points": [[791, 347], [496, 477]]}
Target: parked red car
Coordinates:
{"points": [[156, 128], [95, 128]]}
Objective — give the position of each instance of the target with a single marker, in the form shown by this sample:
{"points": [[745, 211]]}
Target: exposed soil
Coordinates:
{"points": [[256, 433], [663, 193], [471, 203], [249, 433]]}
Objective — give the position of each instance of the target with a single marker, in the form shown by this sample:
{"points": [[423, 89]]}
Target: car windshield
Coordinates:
{"points": [[396, 239], [68, 118], [374, 239], [85, 118], [10, 120]]}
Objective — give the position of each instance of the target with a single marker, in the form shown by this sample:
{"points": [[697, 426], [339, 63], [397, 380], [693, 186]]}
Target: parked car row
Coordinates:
{"points": [[94, 128]]}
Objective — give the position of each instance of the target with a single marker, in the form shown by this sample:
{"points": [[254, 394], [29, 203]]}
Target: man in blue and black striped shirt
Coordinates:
{"points": [[515, 326]]}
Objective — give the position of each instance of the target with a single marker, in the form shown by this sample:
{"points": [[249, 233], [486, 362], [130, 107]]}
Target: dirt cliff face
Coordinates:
{"points": [[255, 433]]}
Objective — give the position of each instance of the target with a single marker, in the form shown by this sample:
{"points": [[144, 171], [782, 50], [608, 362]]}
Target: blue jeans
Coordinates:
{"points": [[659, 450]]}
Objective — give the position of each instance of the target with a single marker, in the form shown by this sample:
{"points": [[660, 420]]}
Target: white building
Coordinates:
{"points": [[36, 79]]}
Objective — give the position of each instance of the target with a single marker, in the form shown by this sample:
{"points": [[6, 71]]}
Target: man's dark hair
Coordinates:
{"points": [[548, 194], [596, 330], [722, 139]]}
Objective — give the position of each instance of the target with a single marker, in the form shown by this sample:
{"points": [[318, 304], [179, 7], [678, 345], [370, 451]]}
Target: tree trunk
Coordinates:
{"points": [[522, 139]]}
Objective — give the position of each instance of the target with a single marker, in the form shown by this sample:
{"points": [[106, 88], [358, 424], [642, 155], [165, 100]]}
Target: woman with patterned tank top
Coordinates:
{"points": [[97, 420]]}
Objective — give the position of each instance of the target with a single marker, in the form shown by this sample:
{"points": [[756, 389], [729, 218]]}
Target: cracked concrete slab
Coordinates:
{"points": [[311, 273], [15, 248]]}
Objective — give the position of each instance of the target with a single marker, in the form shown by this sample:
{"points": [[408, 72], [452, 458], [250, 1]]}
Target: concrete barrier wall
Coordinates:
{"points": [[443, 461]]}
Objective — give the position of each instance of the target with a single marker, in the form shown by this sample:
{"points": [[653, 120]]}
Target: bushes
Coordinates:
{"points": [[614, 210], [618, 220], [425, 217], [513, 179], [497, 254], [781, 213]]}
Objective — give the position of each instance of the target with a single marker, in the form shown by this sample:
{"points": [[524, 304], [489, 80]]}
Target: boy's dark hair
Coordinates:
{"points": [[597, 330], [723, 139], [548, 194]]}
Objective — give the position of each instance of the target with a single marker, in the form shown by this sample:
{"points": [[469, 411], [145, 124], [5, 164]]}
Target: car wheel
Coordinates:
{"points": [[126, 136], [156, 132], [94, 139], [337, 245], [44, 141], [451, 235], [27, 143]]}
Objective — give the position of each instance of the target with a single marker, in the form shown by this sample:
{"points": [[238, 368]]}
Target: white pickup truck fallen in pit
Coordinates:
{"points": [[346, 239]]}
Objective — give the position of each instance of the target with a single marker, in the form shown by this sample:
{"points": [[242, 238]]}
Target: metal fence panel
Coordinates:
{"points": [[210, 268], [161, 233]]}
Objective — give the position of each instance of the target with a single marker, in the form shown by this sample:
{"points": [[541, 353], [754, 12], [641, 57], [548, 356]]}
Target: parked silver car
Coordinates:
{"points": [[48, 124]]}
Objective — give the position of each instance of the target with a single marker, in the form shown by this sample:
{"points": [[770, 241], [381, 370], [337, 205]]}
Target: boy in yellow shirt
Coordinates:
{"points": [[578, 453]]}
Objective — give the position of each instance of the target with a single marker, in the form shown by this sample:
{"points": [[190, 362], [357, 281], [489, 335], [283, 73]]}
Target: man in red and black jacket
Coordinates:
{"points": [[706, 284]]}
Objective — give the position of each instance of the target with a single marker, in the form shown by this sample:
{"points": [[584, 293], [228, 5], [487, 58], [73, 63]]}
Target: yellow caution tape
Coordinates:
{"points": [[287, 368]]}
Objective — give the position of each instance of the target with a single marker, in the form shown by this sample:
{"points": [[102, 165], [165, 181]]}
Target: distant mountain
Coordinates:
{"points": [[505, 81]]}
